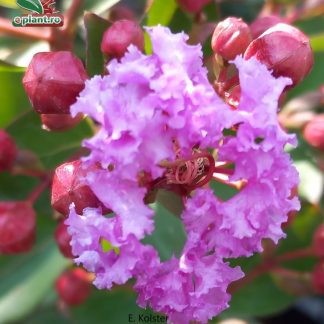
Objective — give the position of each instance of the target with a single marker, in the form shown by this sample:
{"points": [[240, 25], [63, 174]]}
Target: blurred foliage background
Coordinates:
{"points": [[27, 292]]}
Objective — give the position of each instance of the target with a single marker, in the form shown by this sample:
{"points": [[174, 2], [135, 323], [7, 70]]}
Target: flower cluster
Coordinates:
{"points": [[160, 119]]}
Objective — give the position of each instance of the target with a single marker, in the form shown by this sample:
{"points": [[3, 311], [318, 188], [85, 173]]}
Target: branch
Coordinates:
{"points": [[24, 32]]}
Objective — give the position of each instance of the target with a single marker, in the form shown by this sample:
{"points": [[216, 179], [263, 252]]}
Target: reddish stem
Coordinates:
{"points": [[301, 253], [38, 190], [24, 32], [271, 265]]}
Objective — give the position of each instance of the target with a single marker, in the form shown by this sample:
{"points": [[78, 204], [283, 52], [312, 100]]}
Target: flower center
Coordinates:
{"points": [[191, 173]]}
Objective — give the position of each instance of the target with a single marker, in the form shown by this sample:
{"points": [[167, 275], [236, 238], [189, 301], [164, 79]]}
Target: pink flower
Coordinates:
{"points": [[159, 120]]}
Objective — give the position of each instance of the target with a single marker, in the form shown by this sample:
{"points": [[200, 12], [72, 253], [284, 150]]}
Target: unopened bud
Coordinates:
{"points": [[53, 81], [63, 239], [231, 38], [285, 50], [260, 25], [59, 122], [119, 36], [318, 278], [314, 132], [17, 227], [8, 151], [73, 286], [193, 6], [69, 187]]}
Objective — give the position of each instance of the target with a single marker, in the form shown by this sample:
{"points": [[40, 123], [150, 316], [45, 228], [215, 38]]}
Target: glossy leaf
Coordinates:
{"points": [[160, 12], [95, 27], [13, 98], [28, 284], [53, 148], [169, 236]]}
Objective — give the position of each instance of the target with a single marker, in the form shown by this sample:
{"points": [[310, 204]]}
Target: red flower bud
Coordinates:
{"points": [[73, 286], [231, 37], [119, 36], [8, 151], [318, 278], [318, 241], [260, 25], [17, 227], [285, 50], [193, 6], [68, 188], [314, 132], [53, 81], [59, 122], [63, 239]]}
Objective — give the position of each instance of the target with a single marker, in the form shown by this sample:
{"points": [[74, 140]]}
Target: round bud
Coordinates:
{"points": [[314, 132], [17, 227], [68, 187], [8, 151], [260, 25], [53, 81], [63, 239], [231, 37], [119, 36], [318, 241], [318, 278], [59, 122], [285, 50], [73, 286], [193, 6]]}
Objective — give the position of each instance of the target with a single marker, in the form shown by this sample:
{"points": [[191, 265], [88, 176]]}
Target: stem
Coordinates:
{"points": [[38, 190], [301, 253], [71, 15], [24, 32], [31, 173], [271, 265]]}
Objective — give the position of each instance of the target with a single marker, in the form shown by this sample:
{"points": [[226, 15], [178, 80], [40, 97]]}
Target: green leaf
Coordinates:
{"points": [[161, 12], [13, 98], [300, 235], [259, 298], [317, 42], [95, 27], [27, 285], [9, 4], [52, 148], [31, 5], [169, 235], [245, 9], [117, 305]]}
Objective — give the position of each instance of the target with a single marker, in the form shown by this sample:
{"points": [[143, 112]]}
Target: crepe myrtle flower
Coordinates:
{"points": [[162, 126]]}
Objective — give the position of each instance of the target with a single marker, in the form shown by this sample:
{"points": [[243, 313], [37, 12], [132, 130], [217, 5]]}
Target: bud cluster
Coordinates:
{"points": [[284, 49]]}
